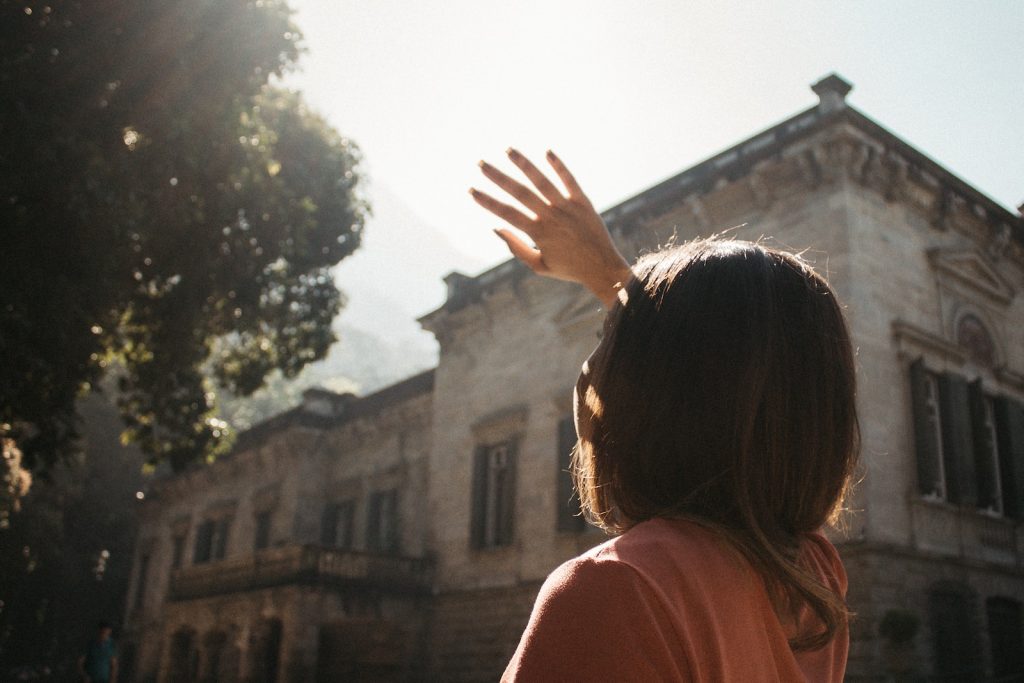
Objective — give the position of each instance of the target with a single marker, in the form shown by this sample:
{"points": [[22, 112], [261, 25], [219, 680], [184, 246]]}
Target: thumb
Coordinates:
{"points": [[531, 256]]}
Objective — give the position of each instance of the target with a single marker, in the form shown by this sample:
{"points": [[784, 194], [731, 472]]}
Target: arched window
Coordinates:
{"points": [[972, 336], [954, 627], [184, 657], [1004, 635]]}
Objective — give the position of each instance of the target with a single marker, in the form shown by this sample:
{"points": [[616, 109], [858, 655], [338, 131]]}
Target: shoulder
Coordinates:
{"points": [[680, 556], [578, 581], [596, 618]]}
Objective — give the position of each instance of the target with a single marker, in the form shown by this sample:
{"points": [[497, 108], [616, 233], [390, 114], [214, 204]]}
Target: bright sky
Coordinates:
{"points": [[629, 93]]}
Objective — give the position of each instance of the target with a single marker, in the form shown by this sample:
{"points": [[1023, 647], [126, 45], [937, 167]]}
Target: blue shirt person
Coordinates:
{"points": [[98, 664]]}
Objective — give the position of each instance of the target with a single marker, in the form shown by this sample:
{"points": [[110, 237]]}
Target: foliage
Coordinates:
{"points": [[66, 556], [162, 207]]}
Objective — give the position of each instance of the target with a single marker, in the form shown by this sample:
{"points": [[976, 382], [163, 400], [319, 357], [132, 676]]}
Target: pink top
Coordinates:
{"points": [[670, 600]]}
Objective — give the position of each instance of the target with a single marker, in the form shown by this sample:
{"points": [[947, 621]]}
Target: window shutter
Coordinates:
{"points": [[957, 442], [220, 548], [926, 436], [507, 498], [389, 521], [478, 509], [204, 542], [373, 523], [1010, 436], [567, 502], [329, 525], [984, 449]]}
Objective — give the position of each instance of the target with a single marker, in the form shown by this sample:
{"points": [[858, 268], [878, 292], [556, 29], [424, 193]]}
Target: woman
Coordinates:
{"points": [[717, 434]]}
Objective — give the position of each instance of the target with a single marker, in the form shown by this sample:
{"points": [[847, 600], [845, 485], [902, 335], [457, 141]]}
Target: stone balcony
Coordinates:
{"points": [[302, 565]]}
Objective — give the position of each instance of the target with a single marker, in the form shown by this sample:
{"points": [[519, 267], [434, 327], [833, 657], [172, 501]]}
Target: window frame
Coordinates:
{"points": [[263, 523], [964, 426], [383, 534], [337, 523], [492, 515]]}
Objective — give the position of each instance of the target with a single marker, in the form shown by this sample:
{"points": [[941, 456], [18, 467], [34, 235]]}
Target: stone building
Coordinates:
{"points": [[403, 535]]}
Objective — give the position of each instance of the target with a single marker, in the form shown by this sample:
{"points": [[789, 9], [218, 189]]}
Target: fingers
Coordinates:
{"points": [[539, 180], [567, 178], [514, 188], [509, 214], [531, 256]]}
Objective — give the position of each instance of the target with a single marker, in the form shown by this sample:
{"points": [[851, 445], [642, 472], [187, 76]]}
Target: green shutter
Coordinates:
{"points": [[507, 498], [223, 527], [1010, 437], [204, 543], [373, 523], [567, 502], [957, 441], [926, 436], [478, 509], [984, 449]]}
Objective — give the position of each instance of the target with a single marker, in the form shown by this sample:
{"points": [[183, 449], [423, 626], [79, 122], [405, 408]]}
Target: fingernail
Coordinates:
{"points": [[550, 154], [512, 152], [473, 191], [481, 163]]}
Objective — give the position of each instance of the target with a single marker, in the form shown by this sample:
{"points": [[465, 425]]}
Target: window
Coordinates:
{"points": [[382, 522], [493, 514], [567, 503], [211, 540], [1004, 635], [261, 538], [970, 444], [220, 538], [337, 525], [204, 543]]}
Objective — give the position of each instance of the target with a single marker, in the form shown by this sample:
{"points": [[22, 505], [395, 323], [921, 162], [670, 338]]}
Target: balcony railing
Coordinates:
{"points": [[302, 565]]}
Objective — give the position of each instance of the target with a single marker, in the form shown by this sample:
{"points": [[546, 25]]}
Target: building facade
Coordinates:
{"points": [[403, 535]]}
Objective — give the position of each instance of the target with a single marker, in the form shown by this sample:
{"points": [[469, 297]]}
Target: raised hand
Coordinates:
{"points": [[572, 242]]}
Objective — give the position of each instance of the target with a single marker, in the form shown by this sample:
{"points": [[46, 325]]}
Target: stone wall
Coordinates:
{"points": [[473, 634]]}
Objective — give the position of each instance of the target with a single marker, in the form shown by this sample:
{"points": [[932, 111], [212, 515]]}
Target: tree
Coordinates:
{"points": [[163, 209], [66, 557]]}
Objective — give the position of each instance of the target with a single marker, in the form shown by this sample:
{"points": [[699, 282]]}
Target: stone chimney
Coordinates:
{"points": [[831, 91], [458, 284]]}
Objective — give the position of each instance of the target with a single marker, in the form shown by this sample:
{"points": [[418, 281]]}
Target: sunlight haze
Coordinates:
{"points": [[629, 93]]}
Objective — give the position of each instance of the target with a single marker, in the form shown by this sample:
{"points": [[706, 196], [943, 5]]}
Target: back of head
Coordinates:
{"points": [[723, 391]]}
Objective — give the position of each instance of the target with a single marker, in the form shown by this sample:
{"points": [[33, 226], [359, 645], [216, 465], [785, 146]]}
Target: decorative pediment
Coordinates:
{"points": [[971, 268]]}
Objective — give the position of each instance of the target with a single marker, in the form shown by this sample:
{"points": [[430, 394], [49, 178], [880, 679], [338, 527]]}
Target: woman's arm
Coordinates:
{"points": [[571, 241]]}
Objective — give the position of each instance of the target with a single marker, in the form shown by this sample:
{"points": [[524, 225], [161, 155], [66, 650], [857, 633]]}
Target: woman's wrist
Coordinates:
{"points": [[607, 287]]}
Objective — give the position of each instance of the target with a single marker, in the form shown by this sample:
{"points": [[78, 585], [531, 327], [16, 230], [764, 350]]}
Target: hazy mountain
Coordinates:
{"points": [[394, 277]]}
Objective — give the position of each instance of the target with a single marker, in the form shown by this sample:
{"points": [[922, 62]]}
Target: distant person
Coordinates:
{"points": [[98, 664], [717, 435]]}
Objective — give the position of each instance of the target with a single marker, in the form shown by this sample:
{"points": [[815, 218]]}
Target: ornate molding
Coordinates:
{"points": [[912, 341], [971, 268]]}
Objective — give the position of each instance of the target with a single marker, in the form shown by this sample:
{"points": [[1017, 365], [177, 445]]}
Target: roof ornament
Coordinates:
{"points": [[831, 91]]}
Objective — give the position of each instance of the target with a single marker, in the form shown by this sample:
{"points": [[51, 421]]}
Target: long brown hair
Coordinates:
{"points": [[723, 392]]}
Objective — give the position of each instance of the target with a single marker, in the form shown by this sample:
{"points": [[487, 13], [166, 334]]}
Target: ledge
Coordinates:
{"points": [[302, 565]]}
